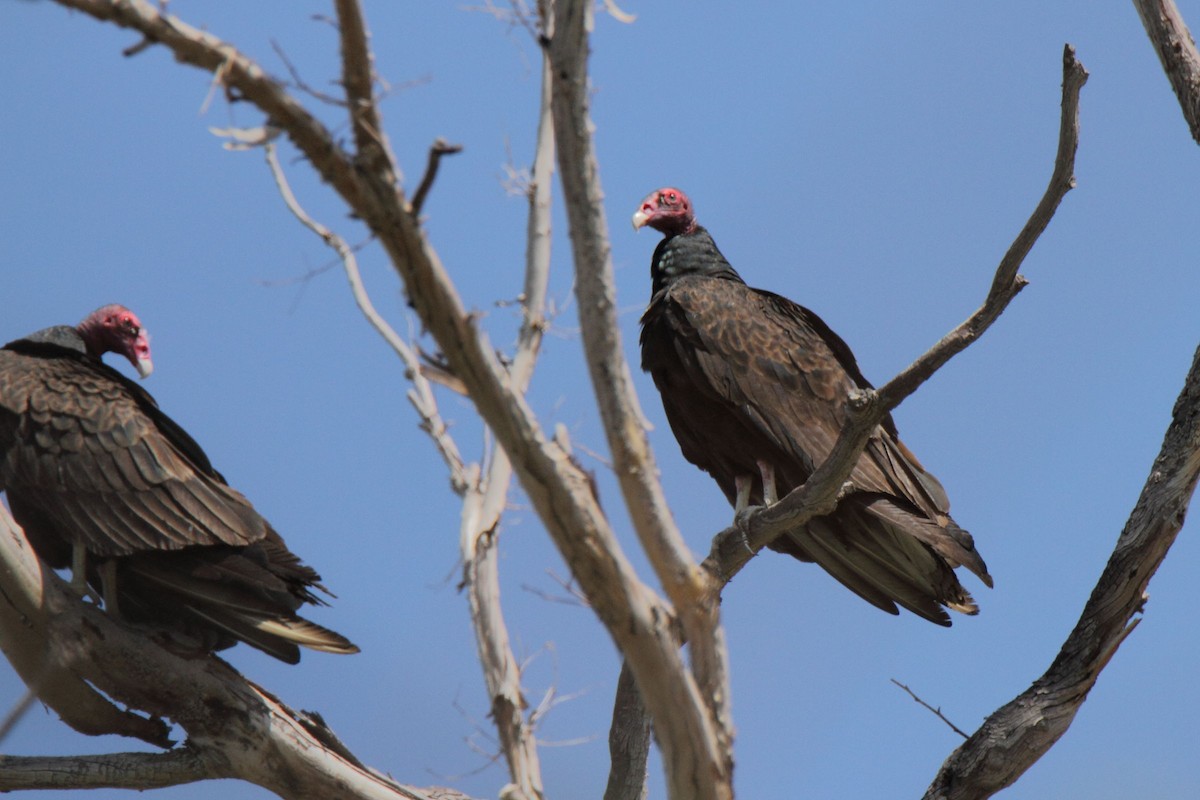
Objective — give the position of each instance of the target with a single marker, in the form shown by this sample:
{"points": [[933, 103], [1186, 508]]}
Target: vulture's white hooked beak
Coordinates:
{"points": [[639, 218], [141, 354]]}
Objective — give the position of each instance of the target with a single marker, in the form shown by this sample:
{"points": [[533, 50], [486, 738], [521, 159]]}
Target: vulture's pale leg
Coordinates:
{"points": [[767, 471], [108, 582], [79, 573], [743, 484]]}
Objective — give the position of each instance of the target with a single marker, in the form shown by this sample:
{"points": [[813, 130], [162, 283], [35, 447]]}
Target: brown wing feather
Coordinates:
{"points": [[86, 456], [82, 449]]}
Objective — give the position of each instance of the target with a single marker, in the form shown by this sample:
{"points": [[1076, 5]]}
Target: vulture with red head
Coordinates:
{"points": [[104, 482], [754, 387]]}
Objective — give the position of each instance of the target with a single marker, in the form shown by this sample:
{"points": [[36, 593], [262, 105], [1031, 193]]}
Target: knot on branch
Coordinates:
{"points": [[861, 402]]}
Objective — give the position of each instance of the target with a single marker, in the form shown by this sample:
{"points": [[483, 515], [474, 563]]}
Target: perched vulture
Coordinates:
{"points": [[754, 388], [106, 483]]}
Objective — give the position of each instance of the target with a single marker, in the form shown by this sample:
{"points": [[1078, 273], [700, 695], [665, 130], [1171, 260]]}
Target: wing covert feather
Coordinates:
{"points": [[93, 455]]}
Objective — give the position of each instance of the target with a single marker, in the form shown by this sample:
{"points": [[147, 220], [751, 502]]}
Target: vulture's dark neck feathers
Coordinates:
{"points": [[63, 336], [693, 253]]}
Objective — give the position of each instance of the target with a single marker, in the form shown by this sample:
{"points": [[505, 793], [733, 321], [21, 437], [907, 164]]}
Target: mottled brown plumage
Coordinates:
{"points": [[754, 385], [102, 481]]}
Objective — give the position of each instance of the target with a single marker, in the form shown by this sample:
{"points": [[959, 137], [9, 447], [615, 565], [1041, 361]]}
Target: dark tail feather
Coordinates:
{"points": [[234, 594], [888, 556], [278, 636], [949, 541]]}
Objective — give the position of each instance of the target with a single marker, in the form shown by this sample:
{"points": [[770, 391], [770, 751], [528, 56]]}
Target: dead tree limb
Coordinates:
{"points": [[110, 771], [1017, 734], [1177, 52], [709, 732], [628, 742], [483, 507], [23, 623], [235, 729]]}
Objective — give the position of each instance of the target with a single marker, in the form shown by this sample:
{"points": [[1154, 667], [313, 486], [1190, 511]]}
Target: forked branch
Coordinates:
{"points": [[733, 547], [421, 395]]}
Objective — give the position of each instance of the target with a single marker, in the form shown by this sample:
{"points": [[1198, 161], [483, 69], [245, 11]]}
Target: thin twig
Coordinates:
{"points": [[140, 47], [309, 274], [299, 83], [439, 148], [937, 711], [18, 711], [421, 395], [518, 13]]}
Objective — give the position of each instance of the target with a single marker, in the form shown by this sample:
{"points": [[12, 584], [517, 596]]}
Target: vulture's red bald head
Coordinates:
{"points": [[668, 210], [116, 329]]}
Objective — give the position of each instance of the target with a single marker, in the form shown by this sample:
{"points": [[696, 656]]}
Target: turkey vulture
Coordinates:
{"points": [[754, 388], [106, 483]]}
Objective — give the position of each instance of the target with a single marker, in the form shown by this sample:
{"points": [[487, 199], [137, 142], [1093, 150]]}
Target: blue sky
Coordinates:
{"points": [[869, 160]]}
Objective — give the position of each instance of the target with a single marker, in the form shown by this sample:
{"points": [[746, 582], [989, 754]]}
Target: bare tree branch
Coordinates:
{"points": [[439, 148], [733, 547], [628, 742], [502, 674], [47, 673], [1177, 51], [483, 507], [1020, 732], [697, 735], [624, 424], [138, 771], [372, 151], [1017, 734], [936, 711], [234, 728], [421, 395]]}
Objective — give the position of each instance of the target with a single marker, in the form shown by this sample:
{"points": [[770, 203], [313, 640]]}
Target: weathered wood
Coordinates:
{"points": [[1016, 735]]}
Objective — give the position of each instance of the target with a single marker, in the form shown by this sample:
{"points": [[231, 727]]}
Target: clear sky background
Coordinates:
{"points": [[870, 160]]}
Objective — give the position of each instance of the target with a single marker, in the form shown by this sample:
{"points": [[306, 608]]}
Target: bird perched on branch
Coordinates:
{"points": [[755, 386], [106, 483]]}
